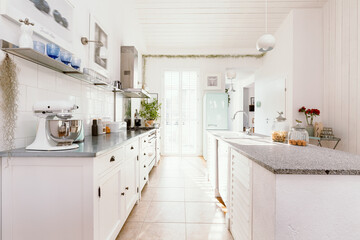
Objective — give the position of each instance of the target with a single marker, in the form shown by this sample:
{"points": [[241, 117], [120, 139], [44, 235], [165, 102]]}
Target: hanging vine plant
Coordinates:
{"points": [[8, 105], [193, 56]]}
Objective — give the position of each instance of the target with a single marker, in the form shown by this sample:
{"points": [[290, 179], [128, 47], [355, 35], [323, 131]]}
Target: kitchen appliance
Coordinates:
{"points": [[130, 74], [56, 130], [215, 115]]}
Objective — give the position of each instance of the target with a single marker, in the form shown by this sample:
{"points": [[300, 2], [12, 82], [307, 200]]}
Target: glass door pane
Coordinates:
{"points": [[189, 113], [181, 113], [172, 113]]}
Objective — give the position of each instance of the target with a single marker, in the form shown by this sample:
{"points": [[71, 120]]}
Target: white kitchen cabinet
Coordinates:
{"points": [[211, 159], [109, 205], [241, 197], [147, 157], [130, 176], [158, 146], [79, 198], [223, 170]]}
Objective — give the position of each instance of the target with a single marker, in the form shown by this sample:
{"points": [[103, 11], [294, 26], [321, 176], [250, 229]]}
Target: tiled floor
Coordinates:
{"points": [[177, 204]]}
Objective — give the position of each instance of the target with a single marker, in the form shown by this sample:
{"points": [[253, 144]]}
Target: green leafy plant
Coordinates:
{"points": [[227, 92], [150, 110]]}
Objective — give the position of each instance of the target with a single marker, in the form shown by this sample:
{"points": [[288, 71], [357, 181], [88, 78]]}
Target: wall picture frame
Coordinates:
{"points": [[99, 60], [213, 81], [53, 19]]}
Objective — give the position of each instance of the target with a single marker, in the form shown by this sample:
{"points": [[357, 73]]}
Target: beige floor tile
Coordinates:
{"points": [[200, 195], [130, 231], [207, 232], [199, 182], [203, 212], [139, 212], [169, 195], [166, 212], [172, 174], [162, 231], [169, 182], [147, 193]]}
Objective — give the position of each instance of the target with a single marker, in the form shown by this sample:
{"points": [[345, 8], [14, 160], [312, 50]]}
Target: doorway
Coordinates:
{"points": [[181, 113]]}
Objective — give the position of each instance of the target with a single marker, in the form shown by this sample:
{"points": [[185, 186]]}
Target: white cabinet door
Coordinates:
{"points": [[241, 197], [211, 159], [223, 170], [122, 200], [109, 198], [130, 188]]}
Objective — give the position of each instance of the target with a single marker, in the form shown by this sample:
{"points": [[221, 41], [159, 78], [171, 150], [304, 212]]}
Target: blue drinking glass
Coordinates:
{"points": [[39, 47], [76, 62], [65, 57], [52, 50]]}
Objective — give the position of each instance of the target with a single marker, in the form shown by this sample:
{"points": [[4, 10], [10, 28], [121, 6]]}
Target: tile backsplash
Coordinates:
{"points": [[37, 83]]}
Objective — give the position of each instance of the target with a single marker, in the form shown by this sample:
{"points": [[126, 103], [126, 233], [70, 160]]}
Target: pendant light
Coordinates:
{"points": [[267, 41]]}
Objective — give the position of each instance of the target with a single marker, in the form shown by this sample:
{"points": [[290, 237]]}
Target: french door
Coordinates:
{"points": [[181, 113]]}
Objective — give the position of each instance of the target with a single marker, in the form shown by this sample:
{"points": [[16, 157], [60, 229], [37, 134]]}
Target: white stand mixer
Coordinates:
{"points": [[55, 135]]}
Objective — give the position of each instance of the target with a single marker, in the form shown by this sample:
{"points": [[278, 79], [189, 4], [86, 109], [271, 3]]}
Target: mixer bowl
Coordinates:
{"points": [[64, 131]]}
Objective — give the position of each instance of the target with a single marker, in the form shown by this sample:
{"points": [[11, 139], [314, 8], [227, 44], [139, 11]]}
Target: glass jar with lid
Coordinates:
{"points": [[298, 135], [280, 129]]}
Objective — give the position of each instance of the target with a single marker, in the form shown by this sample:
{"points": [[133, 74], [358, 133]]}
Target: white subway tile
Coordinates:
{"points": [[20, 142], [26, 125], [46, 78], [22, 98], [27, 74]]}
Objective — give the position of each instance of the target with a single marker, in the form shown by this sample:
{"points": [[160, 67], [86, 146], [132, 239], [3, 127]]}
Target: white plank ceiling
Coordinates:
{"points": [[204, 24]]}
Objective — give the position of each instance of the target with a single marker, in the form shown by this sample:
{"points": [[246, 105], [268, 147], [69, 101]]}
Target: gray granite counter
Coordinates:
{"points": [[91, 147], [282, 158]]}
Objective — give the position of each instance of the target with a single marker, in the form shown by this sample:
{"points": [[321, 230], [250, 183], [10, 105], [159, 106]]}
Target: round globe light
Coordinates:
{"points": [[265, 43]]}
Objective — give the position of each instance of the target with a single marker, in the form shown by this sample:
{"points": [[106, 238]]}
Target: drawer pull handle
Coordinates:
{"points": [[144, 166], [132, 148], [122, 194], [112, 159], [127, 188], [144, 140], [144, 154], [145, 178]]}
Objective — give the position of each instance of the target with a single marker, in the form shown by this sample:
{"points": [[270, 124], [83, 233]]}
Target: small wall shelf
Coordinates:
{"points": [[45, 61]]}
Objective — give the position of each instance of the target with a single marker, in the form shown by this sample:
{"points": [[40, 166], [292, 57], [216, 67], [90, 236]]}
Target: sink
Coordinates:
{"points": [[233, 135]]}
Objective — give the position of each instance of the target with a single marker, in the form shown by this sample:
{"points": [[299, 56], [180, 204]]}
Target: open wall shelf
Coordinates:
{"points": [[48, 62]]}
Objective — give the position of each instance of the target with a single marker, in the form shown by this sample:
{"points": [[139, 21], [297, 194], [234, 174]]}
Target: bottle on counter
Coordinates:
{"points": [[94, 128], [137, 119], [100, 127]]}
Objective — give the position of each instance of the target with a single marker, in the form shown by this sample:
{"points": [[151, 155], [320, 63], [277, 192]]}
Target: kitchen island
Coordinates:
{"points": [[278, 191], [86, 193]]}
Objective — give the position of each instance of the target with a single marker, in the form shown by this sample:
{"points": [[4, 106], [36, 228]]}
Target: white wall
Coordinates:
{"points": [[342, 71], [297, 58], [38, 83], [278, 64]]}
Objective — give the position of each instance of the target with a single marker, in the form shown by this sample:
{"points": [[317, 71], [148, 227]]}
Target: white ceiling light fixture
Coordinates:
{"points": [[267, 41]]}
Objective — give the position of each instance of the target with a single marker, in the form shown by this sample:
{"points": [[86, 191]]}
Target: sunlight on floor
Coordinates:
{"points": [[177, 203]]}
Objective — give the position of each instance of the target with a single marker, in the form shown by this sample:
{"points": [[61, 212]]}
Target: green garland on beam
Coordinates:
{"points": [[211, 56]]}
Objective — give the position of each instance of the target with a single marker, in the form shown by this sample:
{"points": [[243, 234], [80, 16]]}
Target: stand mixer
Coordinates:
{"points": [[56, 130]]}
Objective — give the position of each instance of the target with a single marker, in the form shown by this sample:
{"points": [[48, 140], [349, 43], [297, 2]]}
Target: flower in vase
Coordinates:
{"points": [[310, 114]]}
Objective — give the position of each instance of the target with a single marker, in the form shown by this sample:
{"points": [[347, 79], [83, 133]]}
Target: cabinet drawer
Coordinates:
{"points": [[107, 161], [131, 149]]}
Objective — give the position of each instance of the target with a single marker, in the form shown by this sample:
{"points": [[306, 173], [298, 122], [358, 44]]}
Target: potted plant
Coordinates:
{"points": [[150, 112], [309, 115]]}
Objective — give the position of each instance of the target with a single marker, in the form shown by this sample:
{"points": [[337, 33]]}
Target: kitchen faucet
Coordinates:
{"points": [[247, 126]]}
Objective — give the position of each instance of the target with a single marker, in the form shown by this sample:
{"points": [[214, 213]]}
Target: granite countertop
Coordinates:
{"points": [[282, 158], [91, 147]]}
